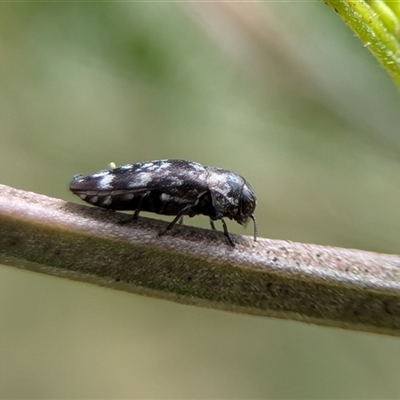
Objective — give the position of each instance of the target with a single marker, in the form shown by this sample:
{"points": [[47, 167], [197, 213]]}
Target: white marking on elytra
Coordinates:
{"points": [[100, 174], [156, 166], [126, 166], [94, 199], [142, 179], [149, 167], [105, 182], [83, 196]]}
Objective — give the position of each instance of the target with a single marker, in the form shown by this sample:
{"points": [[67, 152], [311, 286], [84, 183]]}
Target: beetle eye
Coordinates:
{"points": [[248, 201]]}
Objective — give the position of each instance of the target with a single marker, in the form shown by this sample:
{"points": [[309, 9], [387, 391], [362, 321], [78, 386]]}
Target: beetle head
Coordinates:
{"points": [[247, 206]]}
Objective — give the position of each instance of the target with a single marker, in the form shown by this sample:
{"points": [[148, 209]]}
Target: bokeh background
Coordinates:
{"points": [[281, 92]]}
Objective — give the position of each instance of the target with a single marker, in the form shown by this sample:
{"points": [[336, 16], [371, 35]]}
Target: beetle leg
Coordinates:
{"points": [[212, 225], [226, 233], [136, 213], [138, 209], [175, 220]]}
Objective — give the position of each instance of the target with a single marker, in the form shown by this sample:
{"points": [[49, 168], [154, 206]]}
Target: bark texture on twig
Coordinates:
{"points": [[324, 285]]}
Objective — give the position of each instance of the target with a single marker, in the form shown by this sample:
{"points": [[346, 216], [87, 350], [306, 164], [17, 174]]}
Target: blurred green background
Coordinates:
{"points": [[282, 93]]}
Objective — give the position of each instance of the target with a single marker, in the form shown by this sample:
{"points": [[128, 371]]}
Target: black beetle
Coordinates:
{"points": [[171, 187]]}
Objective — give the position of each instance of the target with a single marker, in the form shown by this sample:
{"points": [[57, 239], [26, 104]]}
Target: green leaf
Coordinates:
{"points": [[377, 24]]}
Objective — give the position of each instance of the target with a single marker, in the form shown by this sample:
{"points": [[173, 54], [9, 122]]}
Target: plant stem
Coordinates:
{"points": [[329, 286]]}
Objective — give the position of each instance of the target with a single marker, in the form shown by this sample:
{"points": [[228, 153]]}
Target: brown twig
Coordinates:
{"points": [[324, 285]]}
